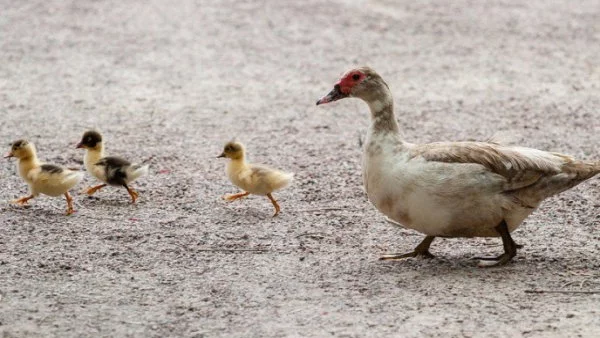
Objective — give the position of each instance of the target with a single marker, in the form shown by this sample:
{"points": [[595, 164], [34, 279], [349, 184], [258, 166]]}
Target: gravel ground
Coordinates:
{"points": [[176, 81]]}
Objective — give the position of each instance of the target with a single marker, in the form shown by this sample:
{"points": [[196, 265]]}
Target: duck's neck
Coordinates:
{"points": [[93, 155], [383, 120]]}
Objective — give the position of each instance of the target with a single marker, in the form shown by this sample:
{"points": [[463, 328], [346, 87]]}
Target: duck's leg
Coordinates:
{"points": [[275, 204], [421, 250], [90, 191], [233, 197], [70, 209], [134, 195], [23, 200], [510, 248]]}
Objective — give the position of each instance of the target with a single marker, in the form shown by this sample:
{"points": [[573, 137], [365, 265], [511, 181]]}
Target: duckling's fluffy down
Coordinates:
{"points": [[261, 180], [53, 183], [136, 171]]}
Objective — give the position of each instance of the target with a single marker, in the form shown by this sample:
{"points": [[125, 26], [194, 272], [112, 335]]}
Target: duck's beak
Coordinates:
{"points": [[9, 155], [334, 95], [222, 155], [79, 145]]}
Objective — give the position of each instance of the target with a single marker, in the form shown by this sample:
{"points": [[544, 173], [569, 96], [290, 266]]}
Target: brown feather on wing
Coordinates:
{"points": [[506, 161]]}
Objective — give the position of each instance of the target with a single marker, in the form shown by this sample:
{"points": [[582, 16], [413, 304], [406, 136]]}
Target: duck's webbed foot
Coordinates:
{"points": [[510, 249], [422, 250]]}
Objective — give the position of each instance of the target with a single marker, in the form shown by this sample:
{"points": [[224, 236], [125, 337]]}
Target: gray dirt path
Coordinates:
{"points": [[175, 80]]}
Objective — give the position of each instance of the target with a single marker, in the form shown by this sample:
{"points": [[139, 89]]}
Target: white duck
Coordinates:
{"points": [[111, 170], [47, 179], [452, 189]]}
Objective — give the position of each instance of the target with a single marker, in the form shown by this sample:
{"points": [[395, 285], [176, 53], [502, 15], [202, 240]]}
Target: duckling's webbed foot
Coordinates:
{"points": [[510, 249], [233, 197], [275, 204], [23, 200], [422, 250], [92, 190], [134, 194]]}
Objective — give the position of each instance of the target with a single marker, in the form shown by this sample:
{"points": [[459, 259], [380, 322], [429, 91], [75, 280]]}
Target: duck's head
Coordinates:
{"points": [[91, 139], [233, 150], [21, 149], [363, 83]]}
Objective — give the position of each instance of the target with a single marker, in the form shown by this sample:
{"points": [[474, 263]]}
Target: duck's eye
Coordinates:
{"points": [[356, 77]]}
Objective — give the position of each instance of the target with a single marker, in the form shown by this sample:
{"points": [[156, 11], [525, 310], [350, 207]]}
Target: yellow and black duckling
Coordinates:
{"points": [[47, 179], [254, 179], [111, 170]]}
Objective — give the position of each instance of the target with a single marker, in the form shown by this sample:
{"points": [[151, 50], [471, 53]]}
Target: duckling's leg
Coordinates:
{"points": [[510, 248], [233, 197], [69, 203], [23, 200], [275, 204], [134, 195], [421, 250], [92, 190]]}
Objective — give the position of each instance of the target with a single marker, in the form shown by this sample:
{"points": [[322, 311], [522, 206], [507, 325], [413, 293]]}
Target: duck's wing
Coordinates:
{"points": [[547, 172], [503, 160]]}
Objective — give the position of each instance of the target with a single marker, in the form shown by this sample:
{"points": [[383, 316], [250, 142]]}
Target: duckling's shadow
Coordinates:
{"points": [[35, 211], [239, 210], [249, 213], [94, 201]]}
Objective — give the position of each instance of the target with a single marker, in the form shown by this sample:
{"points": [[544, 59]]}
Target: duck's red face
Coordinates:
{"points": [[343, 88]]}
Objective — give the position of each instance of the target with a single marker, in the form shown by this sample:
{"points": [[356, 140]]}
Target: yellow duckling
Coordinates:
{"points": [[47, 179], [252, 178]]}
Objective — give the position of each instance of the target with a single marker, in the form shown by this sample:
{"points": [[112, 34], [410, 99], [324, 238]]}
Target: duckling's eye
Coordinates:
{"points": [[356, 77]]}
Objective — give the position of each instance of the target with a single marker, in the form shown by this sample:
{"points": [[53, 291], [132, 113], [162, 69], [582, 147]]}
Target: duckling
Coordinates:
{"points": [[452, 189], [254, 179], [111, 170], [47, 179]]}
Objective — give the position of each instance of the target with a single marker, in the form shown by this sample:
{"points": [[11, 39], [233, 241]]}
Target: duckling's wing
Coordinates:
{"points": [[113, 161], [273, 179], [115, 169], [51, 168], [54, 180], [255, 174]]}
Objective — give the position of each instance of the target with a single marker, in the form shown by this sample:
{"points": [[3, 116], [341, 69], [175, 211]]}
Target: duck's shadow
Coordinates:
{"points": [[463, 266]]}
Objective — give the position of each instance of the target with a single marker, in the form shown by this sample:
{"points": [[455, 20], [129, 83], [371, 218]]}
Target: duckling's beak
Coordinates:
{"points": [[79, 145], [222, 155], [9, 155], [334, 95]]}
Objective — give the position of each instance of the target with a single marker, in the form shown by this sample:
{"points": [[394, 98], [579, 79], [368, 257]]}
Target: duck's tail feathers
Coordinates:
{"points": [[136, 171]]}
